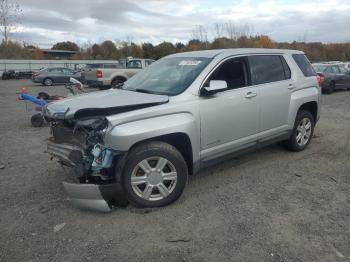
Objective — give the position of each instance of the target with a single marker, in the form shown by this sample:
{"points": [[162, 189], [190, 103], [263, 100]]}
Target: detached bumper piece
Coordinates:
{"points": [[95, 197], [98, 197]]}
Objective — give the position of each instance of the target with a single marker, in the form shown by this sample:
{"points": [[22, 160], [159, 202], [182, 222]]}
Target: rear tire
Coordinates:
{"points": [[116, 82], [331, 88], [48, 82], [155, 174], [302, 132]]}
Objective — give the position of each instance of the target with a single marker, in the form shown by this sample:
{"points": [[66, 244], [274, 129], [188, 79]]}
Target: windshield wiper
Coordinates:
{"points": [[143, 91]]}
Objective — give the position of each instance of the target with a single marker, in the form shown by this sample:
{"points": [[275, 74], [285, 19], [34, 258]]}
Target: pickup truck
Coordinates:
{"points": [[139, 143], [112, 76]]}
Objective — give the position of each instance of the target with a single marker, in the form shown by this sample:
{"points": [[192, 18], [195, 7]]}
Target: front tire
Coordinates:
{"points": [[302, 132], [155, 174]]}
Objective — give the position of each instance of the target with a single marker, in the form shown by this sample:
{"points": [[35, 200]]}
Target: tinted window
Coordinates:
{"points": [[304, 65], [233, 71], [266, 69], [335, 70], [67, 71], [55, 70]]}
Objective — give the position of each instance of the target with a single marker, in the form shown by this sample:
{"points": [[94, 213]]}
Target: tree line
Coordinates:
{"points": [[109, 50]]}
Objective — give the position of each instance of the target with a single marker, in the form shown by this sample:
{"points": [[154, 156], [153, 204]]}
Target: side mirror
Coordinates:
{"points": [[215, 86]]}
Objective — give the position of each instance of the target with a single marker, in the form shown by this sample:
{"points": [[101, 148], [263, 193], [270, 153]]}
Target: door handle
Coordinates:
{"points": [[291, 86], [250, 95]]}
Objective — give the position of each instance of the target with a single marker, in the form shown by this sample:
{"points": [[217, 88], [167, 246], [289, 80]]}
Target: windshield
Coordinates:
{"points": [[169, 76]]}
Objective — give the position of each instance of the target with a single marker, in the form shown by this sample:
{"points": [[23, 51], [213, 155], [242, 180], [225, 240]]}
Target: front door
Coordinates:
{"points": [[229, 118]]}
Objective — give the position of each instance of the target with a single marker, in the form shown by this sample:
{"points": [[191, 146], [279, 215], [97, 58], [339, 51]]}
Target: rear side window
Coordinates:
{"points": [[304, 65], [267, 69]]}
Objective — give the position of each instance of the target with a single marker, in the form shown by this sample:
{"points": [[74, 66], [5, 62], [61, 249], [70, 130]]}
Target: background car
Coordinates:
{"points": [[332, 77], [56, 75]]}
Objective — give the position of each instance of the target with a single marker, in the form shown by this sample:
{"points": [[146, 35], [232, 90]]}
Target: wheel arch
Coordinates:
{"points": [[179, 140], [312, 107]]}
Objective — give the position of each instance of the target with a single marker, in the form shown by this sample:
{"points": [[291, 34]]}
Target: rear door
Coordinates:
{"points": [[57, 75], [272, 76], [68, 73]]}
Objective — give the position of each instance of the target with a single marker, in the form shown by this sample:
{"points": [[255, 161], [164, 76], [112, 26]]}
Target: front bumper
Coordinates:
{"points": [[87, 195], [95, 197]]}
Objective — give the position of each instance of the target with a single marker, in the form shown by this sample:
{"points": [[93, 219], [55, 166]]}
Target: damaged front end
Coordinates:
{"points": [[79, 144]]}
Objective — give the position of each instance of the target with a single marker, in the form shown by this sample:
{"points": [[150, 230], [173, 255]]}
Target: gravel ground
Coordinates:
{"points": [[271, 205]]}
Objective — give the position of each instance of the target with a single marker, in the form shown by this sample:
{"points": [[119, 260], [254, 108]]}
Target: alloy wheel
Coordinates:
{"points": [[304, 131], [154, 178]]}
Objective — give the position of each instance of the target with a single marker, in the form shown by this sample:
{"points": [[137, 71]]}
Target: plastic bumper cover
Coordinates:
{"points": [[95, 197], [98, 197]]}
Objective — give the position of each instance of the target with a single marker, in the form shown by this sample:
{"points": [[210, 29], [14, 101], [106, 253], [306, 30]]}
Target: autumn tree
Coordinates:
{"points": [[265, 42], [67, 45], [148, 50], [108, 49]]}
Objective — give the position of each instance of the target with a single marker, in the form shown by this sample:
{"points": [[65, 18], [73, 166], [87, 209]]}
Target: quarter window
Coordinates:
{"points": [[267, 69], [304, 65]]}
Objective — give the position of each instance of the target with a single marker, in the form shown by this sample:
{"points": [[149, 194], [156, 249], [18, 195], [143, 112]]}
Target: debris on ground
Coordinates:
{"points": [[175, 240], [58, 227], [2, 166]]}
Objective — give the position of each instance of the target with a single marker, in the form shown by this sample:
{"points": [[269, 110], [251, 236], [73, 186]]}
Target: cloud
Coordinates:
{"points": [[46, 22]]}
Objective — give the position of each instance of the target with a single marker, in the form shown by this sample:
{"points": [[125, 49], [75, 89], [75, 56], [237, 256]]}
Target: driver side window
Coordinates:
{"points": [[233, 71]]}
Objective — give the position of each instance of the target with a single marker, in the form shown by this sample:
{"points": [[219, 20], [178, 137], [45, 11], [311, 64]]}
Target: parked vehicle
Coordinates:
{"points": [[10, 74], [55, 75], [181, 114], [34, 104], [106, 77], [91, 67], [333, 76]]}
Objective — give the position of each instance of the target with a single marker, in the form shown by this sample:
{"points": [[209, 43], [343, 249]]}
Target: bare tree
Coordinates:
{"points": [[219, 30], [235, 31], [9, 17], [200, 33]]}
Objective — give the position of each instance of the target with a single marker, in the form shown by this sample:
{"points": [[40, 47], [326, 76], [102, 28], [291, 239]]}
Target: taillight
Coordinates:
{"points": [[99, 74], [320, 79]]}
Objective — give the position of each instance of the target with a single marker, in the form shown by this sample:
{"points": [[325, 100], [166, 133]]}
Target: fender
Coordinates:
{"points": [[122, 137], [300, 97]]}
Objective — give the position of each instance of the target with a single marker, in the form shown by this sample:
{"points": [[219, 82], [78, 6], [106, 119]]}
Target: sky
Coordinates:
{"points": [[45, 22]]}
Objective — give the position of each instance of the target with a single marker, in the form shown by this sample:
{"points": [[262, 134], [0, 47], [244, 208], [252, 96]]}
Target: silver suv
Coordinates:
{"points": [[139, 143]]}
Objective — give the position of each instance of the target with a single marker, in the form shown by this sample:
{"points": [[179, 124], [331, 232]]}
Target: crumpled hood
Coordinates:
{"points": [[101, 103]]}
